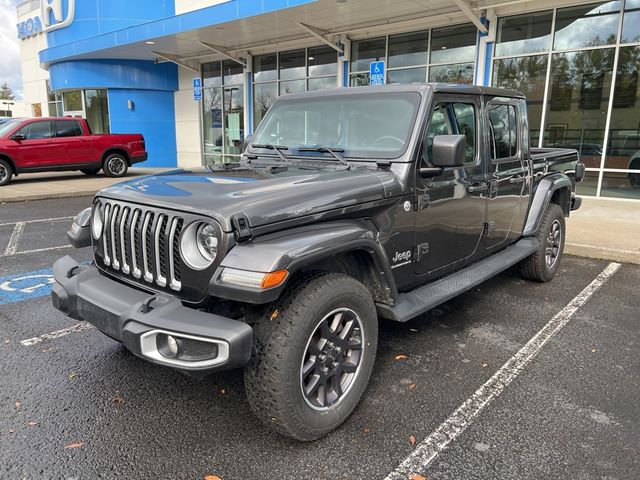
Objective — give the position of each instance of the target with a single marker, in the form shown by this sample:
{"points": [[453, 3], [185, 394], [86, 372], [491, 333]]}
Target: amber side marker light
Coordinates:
{"points": [[273, 279]]}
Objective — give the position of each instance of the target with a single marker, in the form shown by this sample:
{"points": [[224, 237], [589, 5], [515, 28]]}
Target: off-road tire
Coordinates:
{"points": [[115, 165], [90, 171], [6, 172], [536, 267], [281, 337], [634, 179]]}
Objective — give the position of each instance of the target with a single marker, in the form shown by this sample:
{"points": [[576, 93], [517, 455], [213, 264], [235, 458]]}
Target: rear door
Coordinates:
{"points": [[507, 171], [69, 135], [450, 207]]}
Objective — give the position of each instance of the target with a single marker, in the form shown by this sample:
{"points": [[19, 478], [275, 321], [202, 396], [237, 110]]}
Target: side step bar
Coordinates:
{"points": [[413, 303]]}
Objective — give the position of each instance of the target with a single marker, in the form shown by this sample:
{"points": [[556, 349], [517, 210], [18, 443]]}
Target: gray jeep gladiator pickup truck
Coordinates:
{"points": [[347, 206]]}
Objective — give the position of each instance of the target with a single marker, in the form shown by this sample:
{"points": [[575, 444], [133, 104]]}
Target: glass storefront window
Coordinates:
{"points": [[526, 75], [292, 64], [457, 73], [363, 52], [408, 49], [322, 83], [97, 110], [586, 26], [264, 94], [72, 101], [359, 79], [322, 61], [577, 106], [212, 123], [211, 74], [530, 33], [453, 44], [407, 75], [265, 67], [233, 119], [292, 86], [232, 73], [631, 22], [624, 135], [620, 185]]}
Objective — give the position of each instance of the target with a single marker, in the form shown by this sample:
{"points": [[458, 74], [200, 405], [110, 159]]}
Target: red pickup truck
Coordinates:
{"points": [[47, 144]]}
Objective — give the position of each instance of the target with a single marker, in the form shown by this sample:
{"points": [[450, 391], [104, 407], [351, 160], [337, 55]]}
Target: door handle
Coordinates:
{"points": [[517, 180], [477, 187]]}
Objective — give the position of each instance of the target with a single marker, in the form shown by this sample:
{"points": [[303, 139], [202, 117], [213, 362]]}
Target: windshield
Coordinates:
{"points": [[7, 126], [362, 126]]}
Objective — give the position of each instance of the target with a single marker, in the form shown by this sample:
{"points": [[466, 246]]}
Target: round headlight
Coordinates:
{"points": [[199, 245], [97, 221]]}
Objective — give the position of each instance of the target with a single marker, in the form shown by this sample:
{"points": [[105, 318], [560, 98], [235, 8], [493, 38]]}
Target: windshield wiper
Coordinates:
{"points": [[278, 149], [335, 153]]}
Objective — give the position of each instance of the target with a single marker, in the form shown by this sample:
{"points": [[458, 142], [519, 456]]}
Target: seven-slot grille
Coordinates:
{"points": [[143, 244]]}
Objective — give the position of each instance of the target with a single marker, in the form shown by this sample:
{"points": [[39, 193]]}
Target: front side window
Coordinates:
{"points": [[455, 118], [36, 130], [503, 131], [359, 125]]}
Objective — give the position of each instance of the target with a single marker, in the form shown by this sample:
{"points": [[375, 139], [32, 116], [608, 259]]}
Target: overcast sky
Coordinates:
{"points": [[10, 64]]}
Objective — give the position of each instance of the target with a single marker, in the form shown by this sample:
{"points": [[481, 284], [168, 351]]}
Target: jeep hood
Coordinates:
{"points": [[264, 195]]}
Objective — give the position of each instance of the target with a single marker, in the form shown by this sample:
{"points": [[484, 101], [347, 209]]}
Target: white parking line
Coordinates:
{"points": [[458, 422], [57, 334], [37, 250], [12, 246], [54, 219]]}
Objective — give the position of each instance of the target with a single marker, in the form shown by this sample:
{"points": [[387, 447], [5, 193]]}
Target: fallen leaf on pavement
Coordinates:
{"points": [[412, 440], [18, 403], [484, 365], [366, 430], [118, 400], [401, 357], [418, 477], [72, 375], [212, 477], [412, 386], [32, 424], [75, 445]]}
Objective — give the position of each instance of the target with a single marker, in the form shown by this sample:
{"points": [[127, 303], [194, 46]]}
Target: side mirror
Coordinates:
{"points": [[448, 151], [17, 137]]}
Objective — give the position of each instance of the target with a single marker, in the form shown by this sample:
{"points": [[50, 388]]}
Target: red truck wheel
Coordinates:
{"points": [[6, 172], [115, 165]]}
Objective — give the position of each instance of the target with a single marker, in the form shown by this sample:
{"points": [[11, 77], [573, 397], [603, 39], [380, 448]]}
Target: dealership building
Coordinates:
{"points": [[196, 76]]}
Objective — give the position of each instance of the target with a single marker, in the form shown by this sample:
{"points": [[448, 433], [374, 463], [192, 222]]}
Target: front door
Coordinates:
{"points": [[507, 174], [37, 147], [450, 207]]}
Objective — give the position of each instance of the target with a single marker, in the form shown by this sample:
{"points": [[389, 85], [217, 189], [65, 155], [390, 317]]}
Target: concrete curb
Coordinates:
{"points": [[602, 253]]}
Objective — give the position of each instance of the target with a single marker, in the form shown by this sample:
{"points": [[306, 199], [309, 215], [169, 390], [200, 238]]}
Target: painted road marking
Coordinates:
{"points": [[452, 427], [25, 286], [37, 250], [12, 246], [78, 327], [54, 219]]}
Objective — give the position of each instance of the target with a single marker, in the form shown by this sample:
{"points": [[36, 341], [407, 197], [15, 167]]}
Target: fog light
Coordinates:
{"points": [[172, 345], [168, 345]]}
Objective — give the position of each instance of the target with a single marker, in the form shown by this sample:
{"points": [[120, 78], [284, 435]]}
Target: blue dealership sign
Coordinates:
{"points": [[376, 73], [197, 89]]}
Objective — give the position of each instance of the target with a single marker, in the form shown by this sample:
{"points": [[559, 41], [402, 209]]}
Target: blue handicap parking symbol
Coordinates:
{"points": [[197, 89], [376, 73]]}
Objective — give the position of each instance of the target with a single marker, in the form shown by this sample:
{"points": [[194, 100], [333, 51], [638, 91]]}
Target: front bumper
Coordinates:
{"points": [[133, 317]]}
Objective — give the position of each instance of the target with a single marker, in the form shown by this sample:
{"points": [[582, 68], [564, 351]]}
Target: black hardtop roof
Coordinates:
{"points": [[458, 88]]}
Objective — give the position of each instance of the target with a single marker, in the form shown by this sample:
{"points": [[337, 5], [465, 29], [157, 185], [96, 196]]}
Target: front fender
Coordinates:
{"points": [[541, 198], [295, 248]]}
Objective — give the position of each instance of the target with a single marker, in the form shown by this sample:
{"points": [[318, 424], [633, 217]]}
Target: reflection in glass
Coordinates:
{"points": [[407, 75], [292, 64], [322, 83], [624, 135], [587, 26], [322, 61], [263, 97], [359, 79], [233, 119], [461, 73], [528, 33], [526, 75], [631, 21], [72, 101], [408, 49], [577, 107], [292, 86], [97, 110], [363, 52], [589, 185], [212, 122], [453, 44], [620, 185], [265, 67], [211, 74], [232, 72]]}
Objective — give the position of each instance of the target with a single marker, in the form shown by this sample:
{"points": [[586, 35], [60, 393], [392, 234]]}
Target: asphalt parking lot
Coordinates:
{"points": [[75, 404]]}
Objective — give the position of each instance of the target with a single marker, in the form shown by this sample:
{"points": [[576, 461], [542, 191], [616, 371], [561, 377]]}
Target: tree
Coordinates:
{"points": [[6, 93]]}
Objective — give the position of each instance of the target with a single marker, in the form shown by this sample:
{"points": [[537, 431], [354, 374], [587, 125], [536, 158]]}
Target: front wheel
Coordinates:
{"points": [[313, 353], [634, 179], [543, 264], [115, 165], [6, 172]]}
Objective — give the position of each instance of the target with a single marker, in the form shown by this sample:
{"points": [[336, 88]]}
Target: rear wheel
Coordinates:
{"points": [[90, 171], [312, 356], [543, 264], [6, 172], [634, 179], [115, 165]]}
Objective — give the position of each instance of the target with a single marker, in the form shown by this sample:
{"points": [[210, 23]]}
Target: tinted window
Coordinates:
{"points": [[453, 119], [503, 131], [37, 130], [67, 128]]}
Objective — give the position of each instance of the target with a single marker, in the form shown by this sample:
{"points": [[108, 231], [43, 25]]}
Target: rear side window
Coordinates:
{"points": [[453, 119], [36, 130], [67, 128], [503, 131]]}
